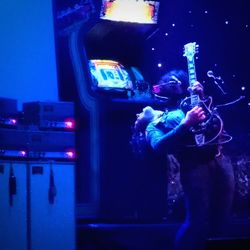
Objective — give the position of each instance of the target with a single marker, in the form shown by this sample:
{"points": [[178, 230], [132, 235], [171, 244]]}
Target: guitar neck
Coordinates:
{"points": [[192, 79], [191, 71]]}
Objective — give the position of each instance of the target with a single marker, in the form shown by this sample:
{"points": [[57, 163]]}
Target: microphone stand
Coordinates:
{"points": [[218, 85], [210, 74]]}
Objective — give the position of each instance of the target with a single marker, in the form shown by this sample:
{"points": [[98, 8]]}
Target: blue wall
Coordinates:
{"points": [[27, 51]]}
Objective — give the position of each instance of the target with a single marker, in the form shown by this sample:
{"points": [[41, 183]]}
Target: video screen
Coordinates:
{"points": [[109, 74], [136, 11]]}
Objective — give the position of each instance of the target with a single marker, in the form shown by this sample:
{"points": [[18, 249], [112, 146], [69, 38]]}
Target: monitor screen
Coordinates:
{"points": [[109, 74], [138, 11]]}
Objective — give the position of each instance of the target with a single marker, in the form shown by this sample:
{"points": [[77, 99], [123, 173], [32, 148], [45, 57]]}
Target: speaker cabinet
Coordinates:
{"points": [[13, 205], [37, 205], [52, 202]]}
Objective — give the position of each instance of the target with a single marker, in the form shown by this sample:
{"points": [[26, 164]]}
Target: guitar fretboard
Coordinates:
{"points": [[192, 79]]}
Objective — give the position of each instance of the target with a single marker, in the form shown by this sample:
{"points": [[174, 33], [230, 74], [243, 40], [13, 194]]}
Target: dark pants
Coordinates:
{"points": [[209, 190]]}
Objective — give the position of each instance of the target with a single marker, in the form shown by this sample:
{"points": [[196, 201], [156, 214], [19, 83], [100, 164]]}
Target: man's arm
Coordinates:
{"points": [[166, 141]]}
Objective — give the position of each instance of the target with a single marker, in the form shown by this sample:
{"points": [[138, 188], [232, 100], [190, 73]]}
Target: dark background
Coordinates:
{"points": [[220, 28], [222, 31]]}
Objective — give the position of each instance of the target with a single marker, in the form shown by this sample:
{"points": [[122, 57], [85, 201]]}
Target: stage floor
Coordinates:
{"points": [[152, 236]]}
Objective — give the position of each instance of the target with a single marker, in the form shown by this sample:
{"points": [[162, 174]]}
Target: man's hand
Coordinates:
{"points": [[197, 88], [194, 116]]}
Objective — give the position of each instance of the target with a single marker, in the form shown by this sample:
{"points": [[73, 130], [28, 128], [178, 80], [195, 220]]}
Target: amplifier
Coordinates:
{"points": [[49, 115], [38, 154], [36, 140], [8, 122]]}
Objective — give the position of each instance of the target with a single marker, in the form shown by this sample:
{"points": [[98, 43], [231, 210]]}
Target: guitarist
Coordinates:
{"points": [[206, 175]]}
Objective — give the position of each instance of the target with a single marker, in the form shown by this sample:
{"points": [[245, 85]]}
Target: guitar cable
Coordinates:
{"points": [[232, 102]]}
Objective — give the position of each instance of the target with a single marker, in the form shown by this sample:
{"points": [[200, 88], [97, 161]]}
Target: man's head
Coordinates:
{"points": [[173, 84]]}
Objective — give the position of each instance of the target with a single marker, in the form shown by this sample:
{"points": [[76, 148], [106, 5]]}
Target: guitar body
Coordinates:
{"points": [[209, 130]]}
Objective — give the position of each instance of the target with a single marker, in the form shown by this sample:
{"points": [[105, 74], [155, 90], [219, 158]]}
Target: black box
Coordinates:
{"points": [[8, 107], [48, 115], [36, 140]]}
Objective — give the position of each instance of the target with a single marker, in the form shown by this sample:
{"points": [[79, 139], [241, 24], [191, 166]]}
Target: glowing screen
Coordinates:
{"points": [[109, 74], [138, 11]]}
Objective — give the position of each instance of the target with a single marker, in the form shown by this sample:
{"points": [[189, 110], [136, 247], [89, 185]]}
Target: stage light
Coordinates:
{"points": [[69, 124], [70, 155], [13, 121], [135, 11], [22, 153]]}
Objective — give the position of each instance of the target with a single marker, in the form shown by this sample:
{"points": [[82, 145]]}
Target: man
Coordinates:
{"points": [[206, 174]]}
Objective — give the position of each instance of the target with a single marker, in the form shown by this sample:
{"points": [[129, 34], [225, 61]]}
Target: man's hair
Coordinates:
{"points": [[179, 74]]}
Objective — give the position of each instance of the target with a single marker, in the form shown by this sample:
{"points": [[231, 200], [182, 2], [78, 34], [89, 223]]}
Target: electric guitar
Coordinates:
{"points": [[209, 130]]}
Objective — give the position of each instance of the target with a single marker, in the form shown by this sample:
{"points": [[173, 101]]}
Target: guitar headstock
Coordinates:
{"points": [[190, 49]]}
